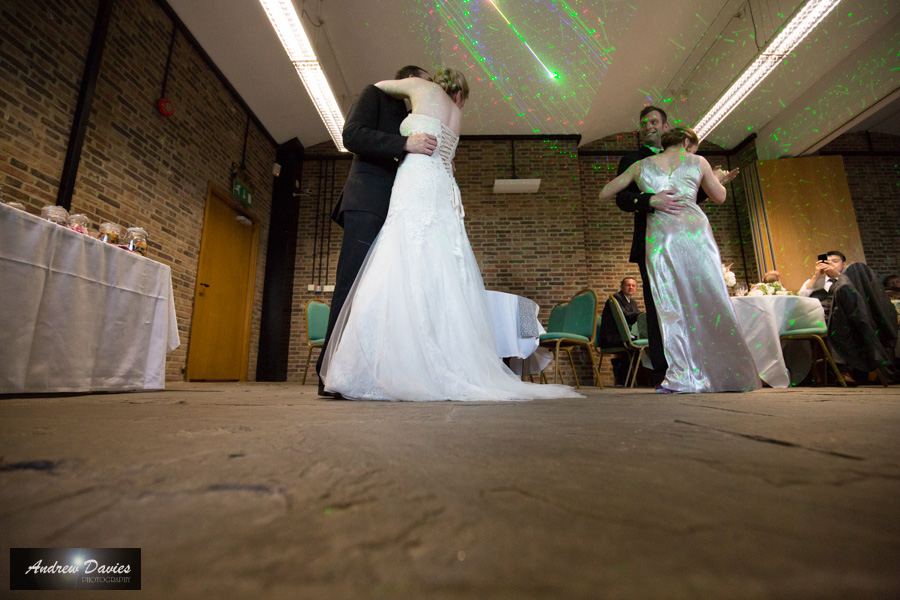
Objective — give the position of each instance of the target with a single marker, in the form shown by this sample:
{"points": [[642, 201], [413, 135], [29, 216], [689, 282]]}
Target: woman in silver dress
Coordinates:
{"points": [[702, 339]]}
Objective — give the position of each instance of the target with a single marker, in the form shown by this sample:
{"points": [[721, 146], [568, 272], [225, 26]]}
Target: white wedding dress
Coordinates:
{"points": [[416, 325]]}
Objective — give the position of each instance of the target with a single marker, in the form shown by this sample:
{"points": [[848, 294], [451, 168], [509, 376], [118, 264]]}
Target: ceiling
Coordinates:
{"points": [[574, 66]]}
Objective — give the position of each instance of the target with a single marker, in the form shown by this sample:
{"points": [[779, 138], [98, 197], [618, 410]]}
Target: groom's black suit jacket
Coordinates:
{"points": [[632, 199], [372, 134]]}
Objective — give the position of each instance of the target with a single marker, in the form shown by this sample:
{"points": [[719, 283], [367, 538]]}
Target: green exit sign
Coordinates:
{"points": [[240, 190]]}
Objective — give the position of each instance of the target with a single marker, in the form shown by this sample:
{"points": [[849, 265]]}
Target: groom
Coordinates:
{"points": [[653, 124], [372, 134]]}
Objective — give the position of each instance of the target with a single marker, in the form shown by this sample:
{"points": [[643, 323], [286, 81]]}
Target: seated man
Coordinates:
{"points": [[827, 274], [772, 277], [852, 338], [609, 334]]}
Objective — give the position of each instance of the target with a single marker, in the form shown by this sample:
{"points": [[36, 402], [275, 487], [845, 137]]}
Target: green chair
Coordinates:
{"points": [[815, 335], [601, 352], [634, 348], [556, 324], [316, 327], [579, 328]]}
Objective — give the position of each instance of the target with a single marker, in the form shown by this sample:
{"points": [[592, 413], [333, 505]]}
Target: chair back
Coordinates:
{"points": [[619, 319], [581, 314], [316, 319], [557, 320]]}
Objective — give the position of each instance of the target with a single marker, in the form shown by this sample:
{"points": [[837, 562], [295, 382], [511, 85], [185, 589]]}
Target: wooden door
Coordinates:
{"points": [[220, 328], [806, 211]]}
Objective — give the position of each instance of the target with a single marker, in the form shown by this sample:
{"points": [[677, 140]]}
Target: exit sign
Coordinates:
{"points": [[240, 190]]}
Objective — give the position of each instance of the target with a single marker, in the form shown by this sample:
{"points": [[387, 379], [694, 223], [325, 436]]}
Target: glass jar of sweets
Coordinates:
{"points": [[111, 233], [55, 214], [80, 223], [136, 240]]}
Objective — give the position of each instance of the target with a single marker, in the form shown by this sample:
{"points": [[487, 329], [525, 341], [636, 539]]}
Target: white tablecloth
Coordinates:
{"points": [[77, 314], [522, 350], [763, 319]]}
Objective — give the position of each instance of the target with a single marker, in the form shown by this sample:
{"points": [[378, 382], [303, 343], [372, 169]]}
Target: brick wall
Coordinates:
{"points": [[874, 181], [137, 168], [318, 244]]}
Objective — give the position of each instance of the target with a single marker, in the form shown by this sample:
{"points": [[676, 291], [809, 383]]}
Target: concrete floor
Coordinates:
{"points": [[267, 491]]}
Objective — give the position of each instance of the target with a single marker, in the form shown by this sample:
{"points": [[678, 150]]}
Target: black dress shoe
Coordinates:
{"points": [[326, 394]]}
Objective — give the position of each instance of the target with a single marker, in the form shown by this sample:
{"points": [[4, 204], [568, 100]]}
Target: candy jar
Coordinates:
{"points": [[111, 233], [55, 214], [80, 223], [136, 240]]}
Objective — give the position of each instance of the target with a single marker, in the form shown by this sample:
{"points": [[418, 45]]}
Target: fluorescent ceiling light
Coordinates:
{"points": [[287, 25], [792, 34]]}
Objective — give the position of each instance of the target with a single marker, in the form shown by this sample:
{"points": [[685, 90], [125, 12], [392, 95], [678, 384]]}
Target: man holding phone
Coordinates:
{"points": [[829, 268], [829, 275]]}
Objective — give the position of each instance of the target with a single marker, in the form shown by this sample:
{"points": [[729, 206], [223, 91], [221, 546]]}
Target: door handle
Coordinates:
{"points": [[205, 284]]}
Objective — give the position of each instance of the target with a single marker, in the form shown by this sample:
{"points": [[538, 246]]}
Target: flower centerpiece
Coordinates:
{"points": [[770, 289], [730, 278]]}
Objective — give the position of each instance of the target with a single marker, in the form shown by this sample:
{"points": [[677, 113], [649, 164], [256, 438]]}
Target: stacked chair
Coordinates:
{"points": [[316, 326]]}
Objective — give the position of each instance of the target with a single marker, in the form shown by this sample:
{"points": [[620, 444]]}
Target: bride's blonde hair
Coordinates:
{"points": [[452, 81]]}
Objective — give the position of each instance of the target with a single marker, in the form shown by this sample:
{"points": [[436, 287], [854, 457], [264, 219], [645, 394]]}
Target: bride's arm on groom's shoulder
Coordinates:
{"points": [[619, 184], [710, 183], [403, 88]]}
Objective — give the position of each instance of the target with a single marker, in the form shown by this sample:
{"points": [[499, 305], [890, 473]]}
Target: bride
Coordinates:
{"points": [[416, 325], [702, 339]]}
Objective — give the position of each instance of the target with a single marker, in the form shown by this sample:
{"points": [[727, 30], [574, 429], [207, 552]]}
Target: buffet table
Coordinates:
{"points": [[518, 332], [79, 315], [763, 320]]}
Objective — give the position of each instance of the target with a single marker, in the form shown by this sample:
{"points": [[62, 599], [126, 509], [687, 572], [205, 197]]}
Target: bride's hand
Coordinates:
{"points": [[421, 143], [667, 201], [725, 177]]}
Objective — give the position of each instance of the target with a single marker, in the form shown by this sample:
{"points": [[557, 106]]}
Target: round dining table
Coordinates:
{"points": [[763, 320]]}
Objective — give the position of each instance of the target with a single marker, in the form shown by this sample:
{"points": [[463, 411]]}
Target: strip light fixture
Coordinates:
{"points": [[790, 36], [287, 25]]}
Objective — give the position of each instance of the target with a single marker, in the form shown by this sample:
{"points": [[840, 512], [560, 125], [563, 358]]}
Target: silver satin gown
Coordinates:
{"points": [[703, 342]]}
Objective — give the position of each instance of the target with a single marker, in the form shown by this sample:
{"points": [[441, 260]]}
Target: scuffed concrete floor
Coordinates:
{"points": [[267, 491]]}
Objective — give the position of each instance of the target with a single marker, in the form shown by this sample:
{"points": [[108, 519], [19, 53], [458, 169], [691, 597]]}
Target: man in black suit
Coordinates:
{"points": [[862, 326], [372, 134], [609, 333]]}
